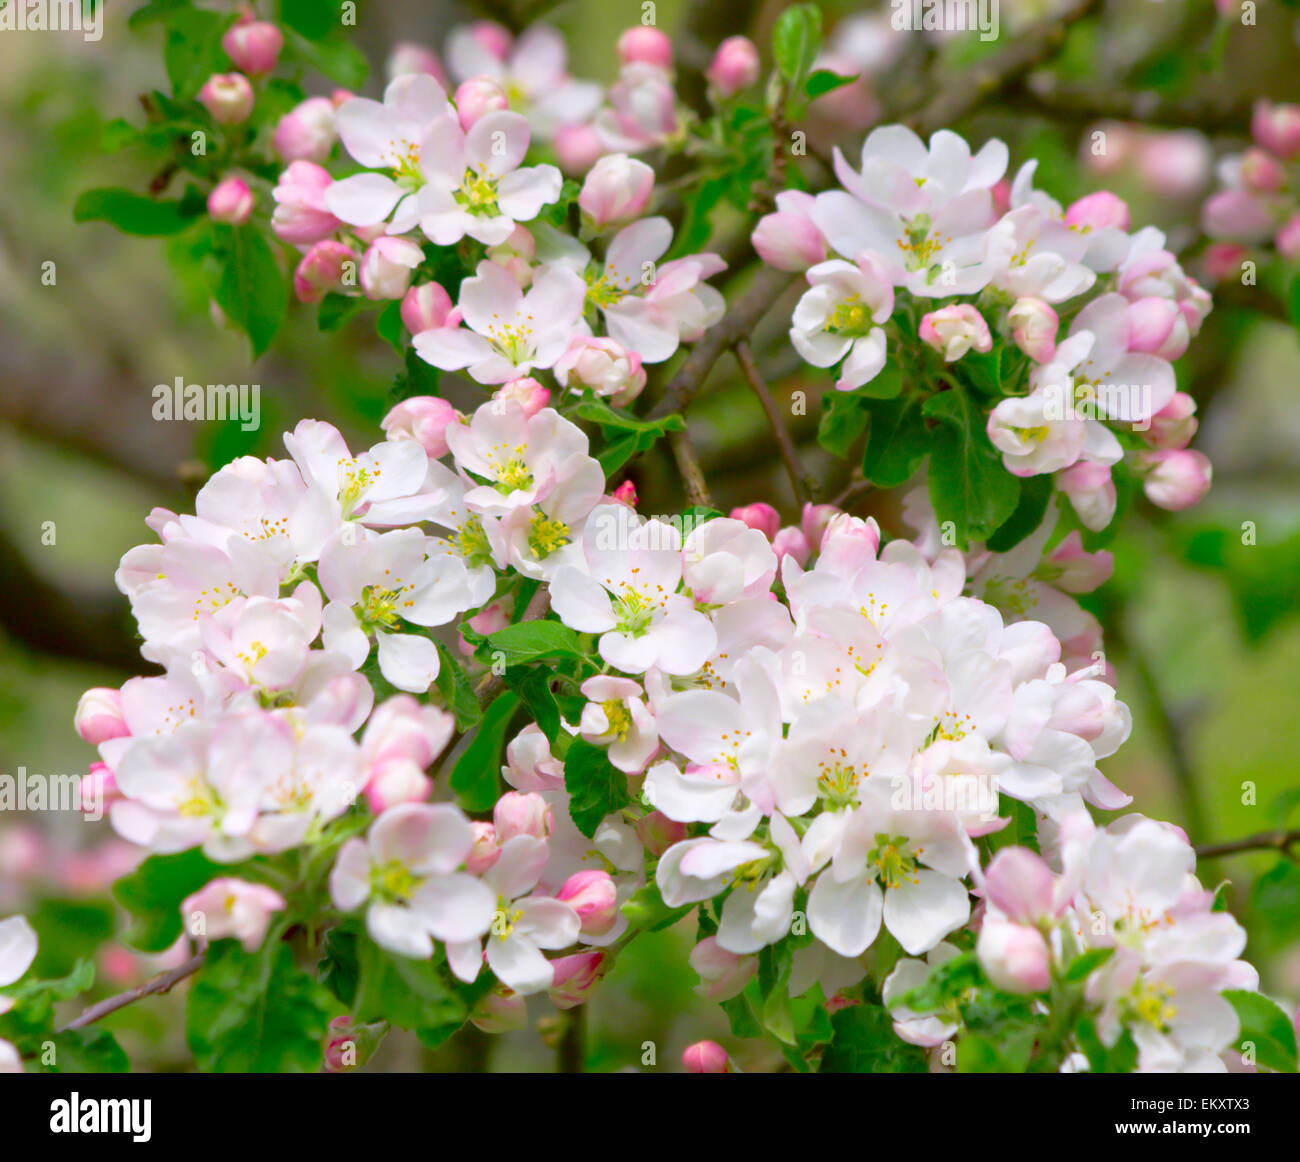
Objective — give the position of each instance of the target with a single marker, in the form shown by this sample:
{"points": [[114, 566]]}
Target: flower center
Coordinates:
{"points": [[514, 341], [619, 718], [838, 783], [546, 535], [1152, 1004], [849, 318], [472, 543], [393, 881], [894, 864], [354, 480], [200, 799], [634, 611], [478, 194], [511, 471], [504, 919], [379, 606]]}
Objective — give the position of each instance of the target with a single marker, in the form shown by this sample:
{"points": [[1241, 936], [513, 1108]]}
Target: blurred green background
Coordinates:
{"points": [[1201, 626]]}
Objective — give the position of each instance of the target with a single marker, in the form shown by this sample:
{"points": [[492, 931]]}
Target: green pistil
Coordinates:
{"points": [[850, 319], [393, 882], [894, 865], [478, 195]]}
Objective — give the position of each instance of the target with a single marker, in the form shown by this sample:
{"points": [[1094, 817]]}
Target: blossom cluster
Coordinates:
{"points": [[818, 737], [927, 251]]}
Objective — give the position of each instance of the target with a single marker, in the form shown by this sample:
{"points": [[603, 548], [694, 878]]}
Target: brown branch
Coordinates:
{"points": [[983, 82], [1057, 98], [161, 983], [799, 479], [1282, 841], [688, 464]]}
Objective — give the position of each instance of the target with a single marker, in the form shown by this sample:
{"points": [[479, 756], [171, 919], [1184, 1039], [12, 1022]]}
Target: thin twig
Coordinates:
{"points": [[799, 479], [1055, 97], [161, 983], [688, 464], [1282, 841]]}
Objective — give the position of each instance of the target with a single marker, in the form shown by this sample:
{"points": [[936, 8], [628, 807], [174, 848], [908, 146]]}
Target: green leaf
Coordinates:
{"points": [[135, 214], [596, 787], [1035, 494], [945, 983], [192, 51], [390, 327], [411, 994], [1086, 963], [897, 443], [340, 60], [457, 691], [968, 484], [888, 384], [864, 1041], [92, 1050], [796, 40], [530, 641], [983, 370], [311, 18], [1275, 901], [255, 1012], [476, 777], [825, 81], [534, 687], [249, 287], [153, 894], [843, 421], [1022, 831], [336, 309], [1265, 1029], [1118, 1058]]}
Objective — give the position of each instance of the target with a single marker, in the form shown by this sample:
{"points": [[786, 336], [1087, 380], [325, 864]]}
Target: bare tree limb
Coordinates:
{"points": [[161, 983], [1282, 841], [799, 480]]}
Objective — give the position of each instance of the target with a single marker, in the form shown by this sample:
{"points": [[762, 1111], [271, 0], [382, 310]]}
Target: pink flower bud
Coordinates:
{"points": [[706, 1057], [396, 780], [576, 976], [593, 896], [791, 542], [490, 618], [521, 813], [477, 97], [1260, 172], [954, 330], [500, 1011], [1287, 240], [254, 45], [1237, 216], [1091, 491], [849, 541], [603, 366], [1224, 259], [617, 189], [1021, 885], [408, 57], [788, 238], [722, 974], [1099, 211], [387, 266], [577, 147], [326, 267], [760, 515], [233, 908], [1175, 164], [526, 392], [228, 98], [307, 132], [814, 519], [1016, 958], [1075, 570], [99, 715], [1277, 128], [1033, 328], [485, 850], [734, 66], [625, 493], [1157, 327], [645, 45], [658, 833], [340, 1047], [1174, 425], [1174, 479], [424, 308], [230, 201], [98, 788], [300, 216]]}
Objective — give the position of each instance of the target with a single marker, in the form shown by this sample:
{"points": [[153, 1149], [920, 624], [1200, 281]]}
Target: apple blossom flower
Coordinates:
{"points": [[593, 895], [1091, 491], [642, 109], [424, 419], [617, 717], [525, 391], [228, 98], [387, 267], [617, 189], [956, 329], [1015, 956], [17, 948], [233, 908], [99, 715], [476, 98], [1033, 328], [307, 132], [1174, 479], [1174, 425], [839, 319], [300, 215], [928, 1029], [603, 366], [788, 239], [406, 873], [723, 974], [425, 307], [328, 266], [705, 1057], [520, 813], [760, 515], [575, 977], [506, 333]]}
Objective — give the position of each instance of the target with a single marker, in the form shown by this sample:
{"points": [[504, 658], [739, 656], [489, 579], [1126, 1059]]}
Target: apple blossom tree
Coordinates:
{"points": [[435, 725]]}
